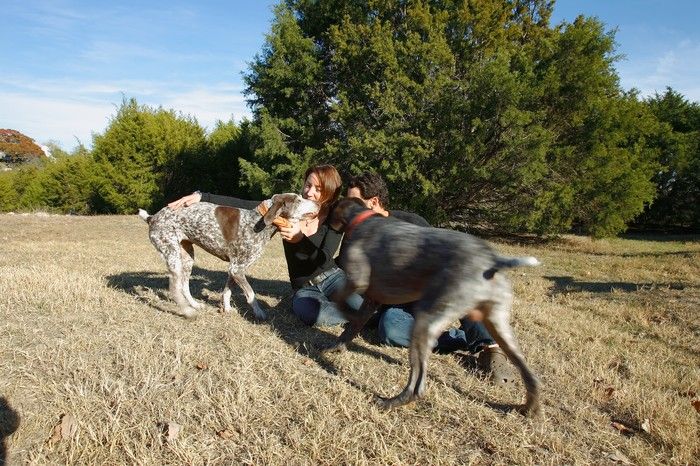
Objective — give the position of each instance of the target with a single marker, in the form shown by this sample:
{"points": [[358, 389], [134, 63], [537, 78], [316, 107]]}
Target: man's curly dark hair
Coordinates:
{"points": [[370, 185]]}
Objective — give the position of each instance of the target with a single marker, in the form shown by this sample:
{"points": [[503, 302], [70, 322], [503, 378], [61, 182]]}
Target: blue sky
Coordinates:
{"points": [[66, 64]]}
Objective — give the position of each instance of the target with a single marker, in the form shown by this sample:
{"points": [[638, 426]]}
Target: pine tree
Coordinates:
{"points": [[478, 111], [147, 156]]}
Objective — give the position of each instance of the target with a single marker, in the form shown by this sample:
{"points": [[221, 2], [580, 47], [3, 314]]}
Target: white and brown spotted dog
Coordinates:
{"points": [[229, 233]]}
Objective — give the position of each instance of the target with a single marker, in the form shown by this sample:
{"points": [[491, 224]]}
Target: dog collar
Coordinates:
{"points": [[359, 218], [279, 222]]}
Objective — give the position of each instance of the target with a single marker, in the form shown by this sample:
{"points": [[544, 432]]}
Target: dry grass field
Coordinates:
{"points": [[93, 371]]}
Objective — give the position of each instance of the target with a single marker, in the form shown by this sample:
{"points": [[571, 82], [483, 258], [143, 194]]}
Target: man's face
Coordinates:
{"points": [[371, 203]]}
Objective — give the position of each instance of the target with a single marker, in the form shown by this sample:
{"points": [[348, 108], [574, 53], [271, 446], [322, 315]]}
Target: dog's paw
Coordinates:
{"points": [[530, 410], [401, 399], [335, 347], [189, 313], [258, 311]]}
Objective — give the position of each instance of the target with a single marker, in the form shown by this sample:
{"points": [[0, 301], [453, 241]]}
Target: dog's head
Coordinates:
{"points": [[344, 211], [290, 206]]}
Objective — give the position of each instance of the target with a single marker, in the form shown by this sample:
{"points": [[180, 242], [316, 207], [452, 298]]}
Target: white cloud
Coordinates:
{"points": [[677, 67], [53, 119], [209, 104], [62, 111]]}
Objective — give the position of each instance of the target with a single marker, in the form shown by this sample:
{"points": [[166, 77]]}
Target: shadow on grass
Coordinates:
{"points": [[570, 285], [564, 285], [471, 367], [687, 254], [9, 422], [308, 341], [201, 279], [662, 237], [206, 285]]}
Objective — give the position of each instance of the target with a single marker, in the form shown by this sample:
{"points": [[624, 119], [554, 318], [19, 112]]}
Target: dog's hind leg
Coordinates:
{"points": [[187, 255], [173, 259], [426, 328], [496, 314], [226, 295]]}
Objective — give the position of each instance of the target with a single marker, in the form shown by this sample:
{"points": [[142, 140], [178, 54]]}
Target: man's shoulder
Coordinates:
{"points": [[409, 217]]}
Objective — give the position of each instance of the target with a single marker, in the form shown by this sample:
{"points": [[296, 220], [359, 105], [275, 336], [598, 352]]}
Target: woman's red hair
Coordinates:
{"points": [[330, 181]]}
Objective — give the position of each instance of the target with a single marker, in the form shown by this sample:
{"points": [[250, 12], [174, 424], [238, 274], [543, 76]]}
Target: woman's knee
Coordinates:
{"points": [[306, 309]]}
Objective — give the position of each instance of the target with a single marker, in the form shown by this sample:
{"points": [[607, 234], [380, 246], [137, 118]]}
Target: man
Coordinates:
{"points": [[396, 321]]}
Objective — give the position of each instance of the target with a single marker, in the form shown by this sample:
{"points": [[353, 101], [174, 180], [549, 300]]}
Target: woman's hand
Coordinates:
{"points": [[186, 201], [292, 234]]}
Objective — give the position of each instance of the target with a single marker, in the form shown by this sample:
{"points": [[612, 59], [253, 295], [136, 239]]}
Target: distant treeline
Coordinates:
{"points": [[479, 113]]}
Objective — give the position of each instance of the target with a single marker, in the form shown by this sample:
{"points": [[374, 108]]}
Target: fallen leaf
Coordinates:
{"points": [[225, 434], [696, 404], [69, 426], [623, 429], [618, 457], [173, 430], [202, 366], [308, 362], [646, 426], [64, 429], [56, 436]]}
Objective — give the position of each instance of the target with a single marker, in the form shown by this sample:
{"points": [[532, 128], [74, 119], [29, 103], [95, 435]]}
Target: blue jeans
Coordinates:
{"points": [[313, 306], [396, 324]]}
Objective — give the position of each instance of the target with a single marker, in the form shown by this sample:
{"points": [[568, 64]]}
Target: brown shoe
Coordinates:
{"points": [[493, 361]]}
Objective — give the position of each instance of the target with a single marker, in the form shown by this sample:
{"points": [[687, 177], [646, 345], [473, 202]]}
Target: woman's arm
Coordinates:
{"points": [[185, 201], [198, 196]]}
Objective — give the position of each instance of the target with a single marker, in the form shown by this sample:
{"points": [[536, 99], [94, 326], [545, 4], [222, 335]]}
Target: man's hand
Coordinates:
{"points": [[293, 233], [186, 201]]}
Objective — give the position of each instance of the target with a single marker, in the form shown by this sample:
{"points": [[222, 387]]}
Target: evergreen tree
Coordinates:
{"points": [[678, 181], [147, 156], [68, 183], [474, 111], [227, 143], [8, 195]]}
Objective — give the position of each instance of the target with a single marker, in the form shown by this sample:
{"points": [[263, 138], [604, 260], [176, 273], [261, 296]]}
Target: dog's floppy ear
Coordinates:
{"points": [[268, 209], [277, 203]]}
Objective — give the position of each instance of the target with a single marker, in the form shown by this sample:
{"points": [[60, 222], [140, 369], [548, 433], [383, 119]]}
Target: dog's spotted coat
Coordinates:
{"points": [[231, 234]]}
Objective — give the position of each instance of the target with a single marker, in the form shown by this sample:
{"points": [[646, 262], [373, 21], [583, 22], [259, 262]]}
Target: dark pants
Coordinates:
{"points": [[396, 324]]}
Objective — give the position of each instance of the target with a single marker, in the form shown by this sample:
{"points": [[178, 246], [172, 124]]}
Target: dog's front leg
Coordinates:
{"points": [[239, 278], [356, 322]]}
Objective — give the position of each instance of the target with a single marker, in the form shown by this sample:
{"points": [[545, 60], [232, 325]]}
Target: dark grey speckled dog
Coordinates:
{"points": [[231, 234], [447, 273]]}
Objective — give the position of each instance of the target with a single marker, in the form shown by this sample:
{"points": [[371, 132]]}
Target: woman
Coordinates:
{"points": [[309, 248]]}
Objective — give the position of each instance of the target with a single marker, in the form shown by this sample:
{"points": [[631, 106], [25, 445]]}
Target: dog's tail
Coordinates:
{"points": [[501, 262], [144, 215], [511, 262]]}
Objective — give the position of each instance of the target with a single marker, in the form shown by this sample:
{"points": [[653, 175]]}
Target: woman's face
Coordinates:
{"points": [[312, 188]]}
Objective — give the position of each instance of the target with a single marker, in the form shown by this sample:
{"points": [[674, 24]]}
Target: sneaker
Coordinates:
{"points": [[494, 362]]}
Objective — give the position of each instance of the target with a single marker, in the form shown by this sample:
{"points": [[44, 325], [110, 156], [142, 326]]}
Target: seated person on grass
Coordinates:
{"points": [[396, 321]]}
